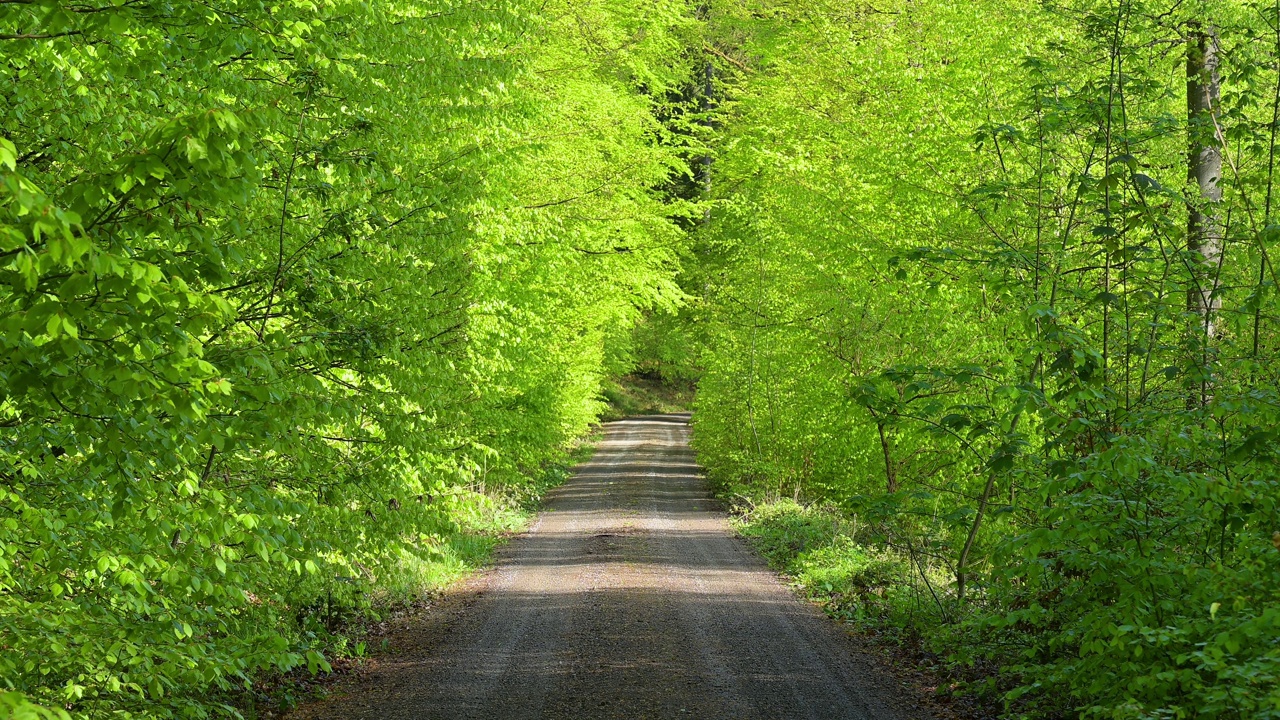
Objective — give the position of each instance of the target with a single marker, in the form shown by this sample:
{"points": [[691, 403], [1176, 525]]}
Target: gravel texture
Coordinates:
{"points": [[630, 597]]}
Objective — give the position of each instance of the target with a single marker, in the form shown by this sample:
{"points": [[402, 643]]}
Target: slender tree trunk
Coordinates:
{"points": [[886, 445], [706, 103], [962, 565], [1204, 171]]}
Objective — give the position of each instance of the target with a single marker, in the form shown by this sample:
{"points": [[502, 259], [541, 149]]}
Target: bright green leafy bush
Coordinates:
{"points": [[953, 283], [846, 569], [288, 292], [785, 530], [819, 548]]}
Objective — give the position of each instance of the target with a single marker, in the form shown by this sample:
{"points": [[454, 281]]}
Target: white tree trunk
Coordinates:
{"points": [[1204, 171]]}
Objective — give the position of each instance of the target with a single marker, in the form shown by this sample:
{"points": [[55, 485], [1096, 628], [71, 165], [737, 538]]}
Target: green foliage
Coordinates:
{"points": [[844, 568], [13, 706], [819, 548], [289, 292], [644, 394], [298, 301], [784, 530], [949, 285]]}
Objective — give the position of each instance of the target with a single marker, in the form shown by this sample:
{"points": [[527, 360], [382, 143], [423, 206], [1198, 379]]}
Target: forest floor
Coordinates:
{"points": [[629, 597], [645, 393]]}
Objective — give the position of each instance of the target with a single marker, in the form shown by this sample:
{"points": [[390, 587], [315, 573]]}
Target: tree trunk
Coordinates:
{"points": [[962, 565], [706, 104], [1204, 171], [886, 445]]}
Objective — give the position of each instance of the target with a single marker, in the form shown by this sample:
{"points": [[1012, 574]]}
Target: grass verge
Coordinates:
{"points": [[351, 630], [891, 600], [644, 393]]}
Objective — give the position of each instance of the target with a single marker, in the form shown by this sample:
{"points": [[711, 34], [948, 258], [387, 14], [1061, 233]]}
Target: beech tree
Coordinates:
{"points": [[296, 298], [989, 290]]}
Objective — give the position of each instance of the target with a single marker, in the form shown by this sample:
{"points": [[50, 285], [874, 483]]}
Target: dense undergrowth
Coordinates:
{"points": [[995, 281], [887, 592]]}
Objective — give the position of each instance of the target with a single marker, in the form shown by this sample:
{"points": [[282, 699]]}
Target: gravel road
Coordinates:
{"points": [[630, 598]]}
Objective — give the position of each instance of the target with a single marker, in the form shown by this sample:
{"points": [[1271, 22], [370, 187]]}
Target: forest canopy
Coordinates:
{"points": [[992, 285], [979, 297], [289, 289]]}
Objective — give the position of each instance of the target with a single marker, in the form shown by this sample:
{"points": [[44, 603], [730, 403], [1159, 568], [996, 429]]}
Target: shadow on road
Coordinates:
{"points": [[630, 598]]}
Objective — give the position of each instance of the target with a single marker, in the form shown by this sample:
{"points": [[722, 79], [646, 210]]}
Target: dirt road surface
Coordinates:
{"points": [[628, 598]]}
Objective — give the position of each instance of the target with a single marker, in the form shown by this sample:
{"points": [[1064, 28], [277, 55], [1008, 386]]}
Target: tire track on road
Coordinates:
{"points": [[630, 598]]}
